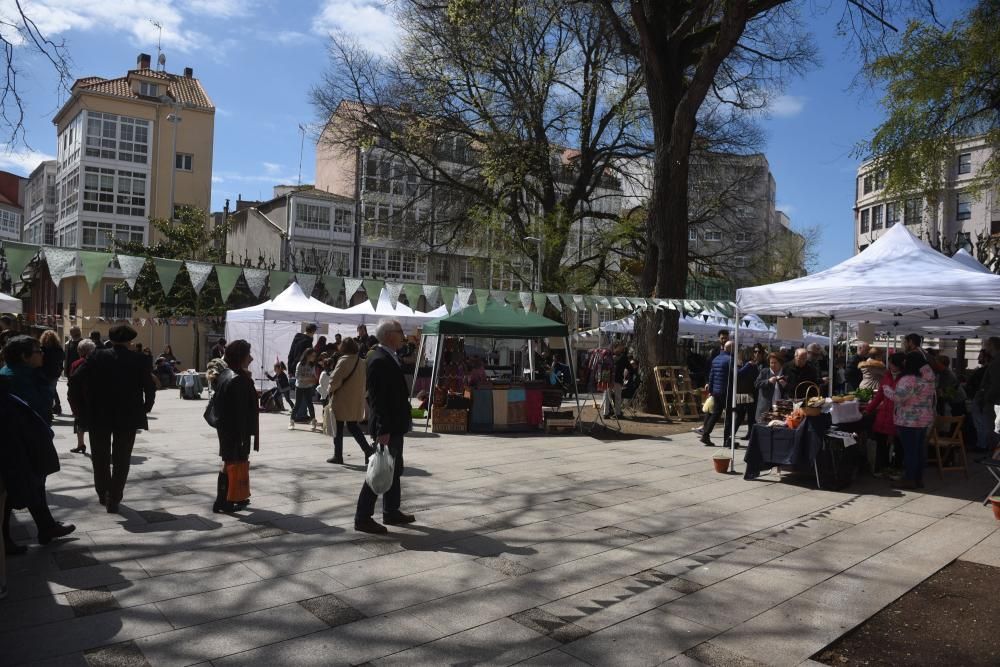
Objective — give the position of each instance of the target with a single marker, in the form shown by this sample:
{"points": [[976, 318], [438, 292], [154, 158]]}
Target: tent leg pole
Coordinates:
{"points": [[434, 376], [531, 361], [572, 379], [830, 351], [732, 392], [416, 367]]}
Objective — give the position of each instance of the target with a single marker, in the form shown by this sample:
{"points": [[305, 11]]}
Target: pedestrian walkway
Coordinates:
{"points": [[536, 550]]}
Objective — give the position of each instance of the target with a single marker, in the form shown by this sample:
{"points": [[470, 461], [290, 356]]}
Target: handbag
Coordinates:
{"points": [[380, 470], [210, 415], [238, 476]]}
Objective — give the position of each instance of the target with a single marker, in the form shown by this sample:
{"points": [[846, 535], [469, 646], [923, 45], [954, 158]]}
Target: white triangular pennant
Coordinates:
{"points": [[394, 290], [307, 281], [198, 272], [351, 286], [59, 261], [580, 303], [432, 294], [555, 301], [131, 267], [463, 295], [255, 279], [525, 298]]}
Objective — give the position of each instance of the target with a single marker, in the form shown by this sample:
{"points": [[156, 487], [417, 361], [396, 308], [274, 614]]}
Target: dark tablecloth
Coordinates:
{"points": [[804, 449]]}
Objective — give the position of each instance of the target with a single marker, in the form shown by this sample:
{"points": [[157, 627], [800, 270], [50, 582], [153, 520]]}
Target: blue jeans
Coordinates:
{"points": [[983, 420], [303, 404], [914, 440]]}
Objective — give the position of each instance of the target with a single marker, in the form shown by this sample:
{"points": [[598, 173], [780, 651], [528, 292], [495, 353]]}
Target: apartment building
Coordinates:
{"points": [[41, 205], [299, 229], [11, 205], [955, 216], [129, 149], [397, 211]]}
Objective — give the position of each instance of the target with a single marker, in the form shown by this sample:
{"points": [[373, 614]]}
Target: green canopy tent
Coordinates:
{"points": [[497, 320]]}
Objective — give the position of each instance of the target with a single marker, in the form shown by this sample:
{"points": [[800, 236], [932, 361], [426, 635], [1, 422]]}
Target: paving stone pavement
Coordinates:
{"points": [[528, 549]]}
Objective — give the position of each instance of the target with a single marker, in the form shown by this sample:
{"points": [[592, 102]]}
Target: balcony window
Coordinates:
{"points": [[965, 163], [963, 206], [865, 220]]}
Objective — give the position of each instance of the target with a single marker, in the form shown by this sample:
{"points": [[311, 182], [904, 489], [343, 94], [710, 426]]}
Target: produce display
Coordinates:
{"points": [[863, 395]]}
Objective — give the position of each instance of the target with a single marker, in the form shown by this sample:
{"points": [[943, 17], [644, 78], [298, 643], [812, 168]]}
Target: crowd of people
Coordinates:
{"points": [[907, 393]]}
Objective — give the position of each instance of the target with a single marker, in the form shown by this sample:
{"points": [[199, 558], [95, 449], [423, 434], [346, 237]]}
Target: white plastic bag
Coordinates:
{"points": [[708, 405], [380, 470]]}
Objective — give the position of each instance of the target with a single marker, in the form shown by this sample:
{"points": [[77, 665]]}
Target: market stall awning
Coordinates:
{"points": [[965, 258], [898, 279], [9, 304], [496, 321]]}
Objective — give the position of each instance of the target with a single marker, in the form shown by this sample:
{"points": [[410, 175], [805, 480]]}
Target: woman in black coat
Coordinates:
{"points": [[769, 388], [235, 407], [53, 360]]}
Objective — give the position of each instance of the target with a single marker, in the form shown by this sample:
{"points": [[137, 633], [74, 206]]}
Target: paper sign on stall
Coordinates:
{"points": [[789, 328]]}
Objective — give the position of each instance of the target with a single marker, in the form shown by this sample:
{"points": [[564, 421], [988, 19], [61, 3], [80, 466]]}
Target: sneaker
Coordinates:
{"points": [[291, 426], [707, 441], [699, 430], [370, 525]]}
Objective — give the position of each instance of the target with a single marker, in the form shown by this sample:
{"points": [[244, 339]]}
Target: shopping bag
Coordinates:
{"points": [[708, 404], [380, 470], [238, 474]]}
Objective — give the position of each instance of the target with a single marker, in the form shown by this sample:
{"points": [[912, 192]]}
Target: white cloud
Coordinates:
{"points": [[135, 18], [285, 37], [220, 8], [226, 113], [786, 106], [22, 161], [368, 21], [789, 209], [271, 167]]}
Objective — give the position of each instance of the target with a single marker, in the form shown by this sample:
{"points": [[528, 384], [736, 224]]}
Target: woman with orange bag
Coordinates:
{"points": [[235, 408]]}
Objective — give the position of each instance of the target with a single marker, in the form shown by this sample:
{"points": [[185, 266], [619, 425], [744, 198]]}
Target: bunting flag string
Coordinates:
{"points": [[448, 297], [307, 281], [131, 267], [413, 293], [432, 293], [394, 290], [540, 301], [333, 285], [167, 270], [94, 266], [18, 255], [277, 281], [255, 280], [351, 287], [198, 272], [228, 277], [482, 298], [59, 261], [373, 288], [525, 298], [464, 294], [554, 300]]}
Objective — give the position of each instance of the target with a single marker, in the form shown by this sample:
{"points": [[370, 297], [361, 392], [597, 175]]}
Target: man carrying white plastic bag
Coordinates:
{"points": [[388, 422]]}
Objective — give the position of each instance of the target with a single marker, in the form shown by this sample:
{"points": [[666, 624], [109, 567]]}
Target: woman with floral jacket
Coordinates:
{"points": [[913, 398]]}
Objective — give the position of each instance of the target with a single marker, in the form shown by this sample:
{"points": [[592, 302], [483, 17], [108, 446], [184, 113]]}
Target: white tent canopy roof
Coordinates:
{"points": [[365, 313], [292, 305], [963, 257], [9, 304], [897, 279]]}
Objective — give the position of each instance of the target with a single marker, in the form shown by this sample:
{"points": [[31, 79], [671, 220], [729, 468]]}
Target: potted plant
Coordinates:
{"points": [[721, 463], [995, 501]]}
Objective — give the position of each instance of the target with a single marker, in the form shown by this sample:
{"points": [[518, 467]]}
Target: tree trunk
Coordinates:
{"points": [[655, 345]]}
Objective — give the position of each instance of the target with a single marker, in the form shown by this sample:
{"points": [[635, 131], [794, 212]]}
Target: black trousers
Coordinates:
{"points": [[744, 413], [111, 456], [338, 438], [720, 404], [38, 506], [391, 499]]}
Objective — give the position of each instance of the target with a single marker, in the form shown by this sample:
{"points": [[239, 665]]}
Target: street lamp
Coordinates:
{"points": [[538, 266]]}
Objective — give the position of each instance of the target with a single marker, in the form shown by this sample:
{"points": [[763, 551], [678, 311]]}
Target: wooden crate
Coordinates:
{"points": [[678, 398], [444, 420]]}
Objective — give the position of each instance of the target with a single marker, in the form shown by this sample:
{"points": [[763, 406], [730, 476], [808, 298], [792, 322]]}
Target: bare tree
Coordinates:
{"points": [[20, 36], [496, 121]]}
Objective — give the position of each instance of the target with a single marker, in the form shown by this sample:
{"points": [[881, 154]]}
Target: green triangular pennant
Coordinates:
{"points": [[228, 277], [94, 264], [167, 270], [413, 293], [277, 281], [448, 297], [540, 301], [333, 285], [482, 298], [568, 300], [18, 256], [373, 288]]}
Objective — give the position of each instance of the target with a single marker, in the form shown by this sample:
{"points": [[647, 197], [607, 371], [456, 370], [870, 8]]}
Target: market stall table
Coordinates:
{"points": [[813, 447]]}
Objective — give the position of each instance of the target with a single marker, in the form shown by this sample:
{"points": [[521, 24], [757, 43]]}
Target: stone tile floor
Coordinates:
{"points": [[542, 550]]}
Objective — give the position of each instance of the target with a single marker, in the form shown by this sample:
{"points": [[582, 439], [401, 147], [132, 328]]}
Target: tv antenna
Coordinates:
{"points": [[160, 58], [302, 145]]}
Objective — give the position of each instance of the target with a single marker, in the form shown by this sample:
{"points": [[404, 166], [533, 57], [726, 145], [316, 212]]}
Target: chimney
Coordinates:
{"points": [[188, 73], [142, 62]]}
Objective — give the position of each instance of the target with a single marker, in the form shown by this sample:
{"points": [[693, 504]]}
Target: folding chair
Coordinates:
{"points": [[992, 464], [946, 439]]}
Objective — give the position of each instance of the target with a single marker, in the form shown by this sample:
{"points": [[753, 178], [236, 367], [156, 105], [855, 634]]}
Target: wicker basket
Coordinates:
{"points": [[807, 411], [444, 420]]}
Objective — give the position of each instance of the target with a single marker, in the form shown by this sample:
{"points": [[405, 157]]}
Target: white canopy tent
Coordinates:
{"points": [[271, 326], [9, 304], [365, 313], [706, 328], [897, 281], [964, 257]]}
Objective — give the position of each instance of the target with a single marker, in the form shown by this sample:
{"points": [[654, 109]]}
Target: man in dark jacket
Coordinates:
{"points": [[301, 343], [852, 374], [720, 378], [796, 371], [75, 336], [116, 391], [388, 422]]}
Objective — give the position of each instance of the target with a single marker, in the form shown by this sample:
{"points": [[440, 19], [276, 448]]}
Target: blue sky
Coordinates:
{"points": [[258, 60]]}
